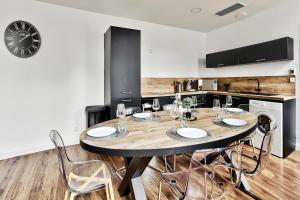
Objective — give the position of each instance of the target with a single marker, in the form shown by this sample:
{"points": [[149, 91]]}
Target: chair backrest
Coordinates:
{"points": [[265, 148], [63, 158]]}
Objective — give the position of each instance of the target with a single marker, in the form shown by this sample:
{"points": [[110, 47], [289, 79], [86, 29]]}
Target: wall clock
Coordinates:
{"points": [[22, 39]]}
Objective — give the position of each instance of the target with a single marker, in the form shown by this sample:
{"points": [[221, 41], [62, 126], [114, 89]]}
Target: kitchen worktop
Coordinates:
{"points": [[277, 97]]}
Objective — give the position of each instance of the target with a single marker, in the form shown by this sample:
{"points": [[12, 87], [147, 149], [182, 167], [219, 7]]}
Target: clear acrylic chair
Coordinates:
{"points": [[249, 138], [264, 152], [82, 177], [240, 166], [180, 181]]}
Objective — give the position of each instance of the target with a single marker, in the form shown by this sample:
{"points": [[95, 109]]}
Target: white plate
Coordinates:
{"points": [[142, 115], [234, 122], [194, 133], [101, 131], [235, 110]]}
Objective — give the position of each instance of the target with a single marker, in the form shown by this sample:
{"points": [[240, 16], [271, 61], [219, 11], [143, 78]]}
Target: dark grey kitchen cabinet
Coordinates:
{"points": [[222, 59], [275, 50], [271, 51], [122, 68]]}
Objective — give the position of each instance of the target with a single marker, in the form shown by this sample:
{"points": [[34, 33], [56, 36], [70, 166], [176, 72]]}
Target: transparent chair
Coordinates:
{"points": [[264, 152], [81, 177], [236, 169], [180, 181], [248, 139]]}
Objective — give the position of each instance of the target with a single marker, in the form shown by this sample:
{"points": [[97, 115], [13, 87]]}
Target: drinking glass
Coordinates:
{"points": [[194, 99], [228, 101], [195, 103], [156, 106], [216, 106], [222, 113], [121, 114]]}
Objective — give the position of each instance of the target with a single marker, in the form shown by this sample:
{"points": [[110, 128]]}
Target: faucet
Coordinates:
{"points": [[257, 89]]}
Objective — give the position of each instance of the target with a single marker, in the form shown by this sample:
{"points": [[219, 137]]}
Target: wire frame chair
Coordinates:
{"points": [[249, 139], [230, 158], [264, 152], [237, 167], [179, 181], [81, 177]]}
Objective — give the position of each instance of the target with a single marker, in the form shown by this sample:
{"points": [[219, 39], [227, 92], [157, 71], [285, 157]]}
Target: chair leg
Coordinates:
{"points": [[159, 189], [118, 171], [72, 196], [253, 149], [174, 163], [111, 190], [67, 194], [107, 191]]}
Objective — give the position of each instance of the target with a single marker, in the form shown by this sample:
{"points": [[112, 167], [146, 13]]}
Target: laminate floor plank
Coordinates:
{"points": [[36, 177]]}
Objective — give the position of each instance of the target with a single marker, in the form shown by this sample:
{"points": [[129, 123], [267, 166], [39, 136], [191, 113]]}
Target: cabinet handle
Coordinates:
{"points": [[236, 98], [172, 97], [126, 92], [126, 100], [260, 60], [219, 65]]}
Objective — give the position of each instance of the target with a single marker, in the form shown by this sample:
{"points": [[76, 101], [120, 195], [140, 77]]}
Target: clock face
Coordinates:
{"points": [[22, 39]]}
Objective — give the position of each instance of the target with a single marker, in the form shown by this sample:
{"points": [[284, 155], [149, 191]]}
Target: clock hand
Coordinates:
{"points": [[24, 38]]}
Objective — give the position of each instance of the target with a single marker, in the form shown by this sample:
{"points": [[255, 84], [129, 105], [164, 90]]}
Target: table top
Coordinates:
{"points": [[150, 138]]}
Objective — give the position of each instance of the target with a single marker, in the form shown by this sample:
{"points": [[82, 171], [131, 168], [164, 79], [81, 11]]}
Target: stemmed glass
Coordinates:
{"points": [[121, 114], [228, 101], [216, 106], [195, 103], [156, 106]]}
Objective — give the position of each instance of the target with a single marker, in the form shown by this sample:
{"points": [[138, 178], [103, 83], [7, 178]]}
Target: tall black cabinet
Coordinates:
{"points": [[122, 68]]}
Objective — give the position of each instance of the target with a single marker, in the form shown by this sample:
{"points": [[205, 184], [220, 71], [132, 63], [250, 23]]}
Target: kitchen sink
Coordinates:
{"points": [[260, 94]]}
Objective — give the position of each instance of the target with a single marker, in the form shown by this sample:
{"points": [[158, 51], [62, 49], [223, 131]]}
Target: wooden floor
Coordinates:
{"points": [[36, 177]]}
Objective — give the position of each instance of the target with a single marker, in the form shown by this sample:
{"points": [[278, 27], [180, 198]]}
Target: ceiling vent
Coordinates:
{"points": [[230, 9]]}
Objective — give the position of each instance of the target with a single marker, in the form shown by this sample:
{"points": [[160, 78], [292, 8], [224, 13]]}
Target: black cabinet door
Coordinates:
{"points": [[276, 50], [221, 59], [125, 63]]}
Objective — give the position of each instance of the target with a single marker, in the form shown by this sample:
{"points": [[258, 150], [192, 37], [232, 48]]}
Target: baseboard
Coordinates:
{"points": [[298, 147], [34, 149]]}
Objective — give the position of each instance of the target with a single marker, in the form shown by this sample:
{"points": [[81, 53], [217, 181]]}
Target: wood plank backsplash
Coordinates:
{"points": [[268, 84]]}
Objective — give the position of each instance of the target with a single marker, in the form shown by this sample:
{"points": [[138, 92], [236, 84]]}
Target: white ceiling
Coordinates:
{"points": [[172, 12]]}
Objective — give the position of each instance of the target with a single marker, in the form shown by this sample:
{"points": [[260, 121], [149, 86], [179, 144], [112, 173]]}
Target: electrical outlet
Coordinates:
{"points": [[292, 79]]}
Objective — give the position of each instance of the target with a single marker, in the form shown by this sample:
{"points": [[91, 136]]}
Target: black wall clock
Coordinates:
{"points": [[22, 39]]}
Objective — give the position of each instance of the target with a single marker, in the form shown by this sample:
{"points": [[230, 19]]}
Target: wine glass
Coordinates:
{"points": [[194, 99], [228, 101], [156, 106], [121, 114]]}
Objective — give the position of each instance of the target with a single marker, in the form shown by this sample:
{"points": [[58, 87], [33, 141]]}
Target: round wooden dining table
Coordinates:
{"points": [[148, 138]]}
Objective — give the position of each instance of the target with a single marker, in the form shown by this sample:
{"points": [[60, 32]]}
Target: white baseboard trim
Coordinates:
{"points": [[34, 149], [298, 147]]}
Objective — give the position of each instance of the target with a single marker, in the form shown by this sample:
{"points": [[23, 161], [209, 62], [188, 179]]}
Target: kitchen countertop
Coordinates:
{"points": [[278, 97]]}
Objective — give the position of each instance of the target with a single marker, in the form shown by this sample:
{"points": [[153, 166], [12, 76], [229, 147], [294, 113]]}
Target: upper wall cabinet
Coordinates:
{"points": [[221, 59], [275, 50]]}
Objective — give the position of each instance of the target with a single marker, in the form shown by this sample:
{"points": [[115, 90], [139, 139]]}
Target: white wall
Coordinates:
{"points": [[51, 89], [277, 22]]}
